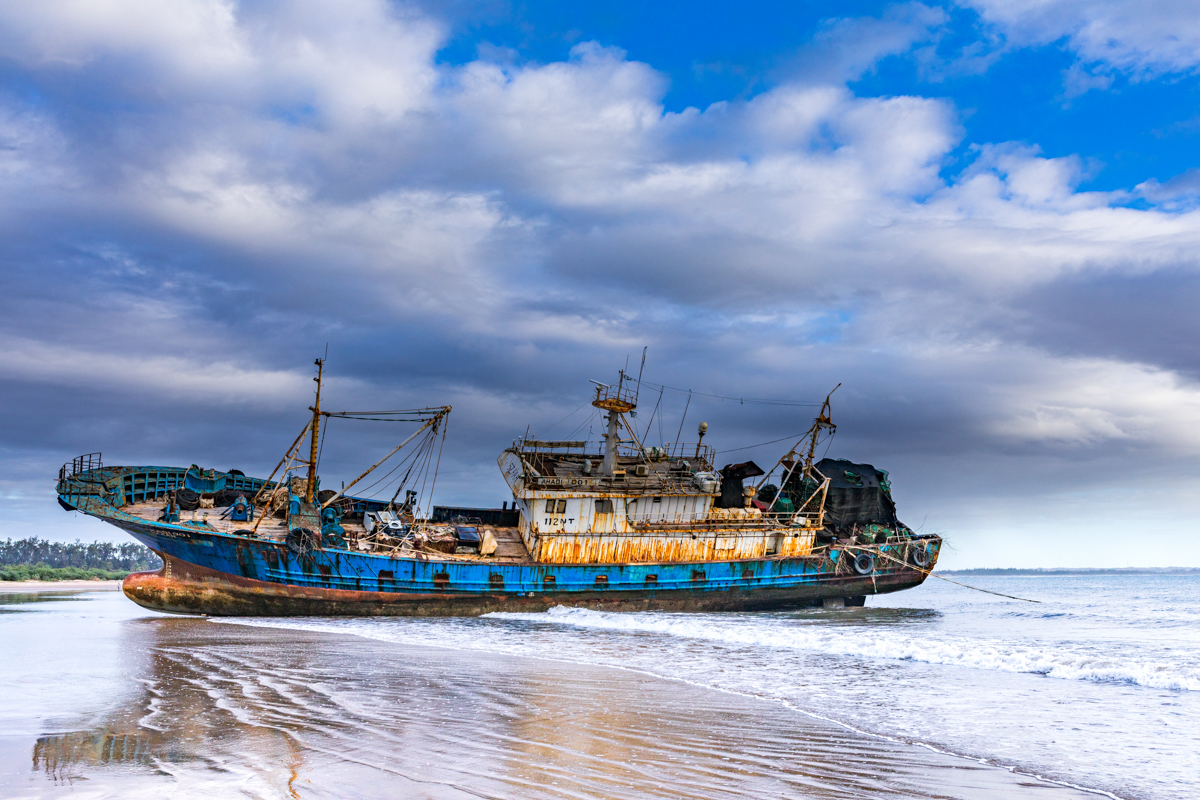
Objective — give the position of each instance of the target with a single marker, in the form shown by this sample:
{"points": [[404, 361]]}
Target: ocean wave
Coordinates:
{"points": [[1068, 663]]}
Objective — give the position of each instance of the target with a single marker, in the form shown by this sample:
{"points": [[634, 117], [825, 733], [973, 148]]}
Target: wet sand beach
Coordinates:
{"points": [[106, 700]]}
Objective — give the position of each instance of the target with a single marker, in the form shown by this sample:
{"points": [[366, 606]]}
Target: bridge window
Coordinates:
{"points": [[556, 506], [604, 506]]}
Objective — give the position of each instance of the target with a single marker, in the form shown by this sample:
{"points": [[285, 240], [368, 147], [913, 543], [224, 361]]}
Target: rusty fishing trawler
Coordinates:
{"points": [[614, 525]]}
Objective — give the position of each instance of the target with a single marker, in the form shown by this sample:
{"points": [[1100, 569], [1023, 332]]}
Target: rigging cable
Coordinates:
{"points": [[586, 421], [415, 454], [650, 422], [933, 574], [402, 482], [424, 473], [561, 421], [400, 487], [321, 449], [740, 400], [436, 467], [682, 419], [418, 414], [828, 444], [662, 439], [752, 446], [416, 460]]}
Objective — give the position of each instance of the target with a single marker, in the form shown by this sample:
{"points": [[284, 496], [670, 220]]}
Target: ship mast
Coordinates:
{"points": [[823, 421], [616, 404], [315, 430]]}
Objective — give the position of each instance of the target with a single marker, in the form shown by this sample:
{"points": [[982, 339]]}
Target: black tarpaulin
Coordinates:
{"points": [[858, 495], [732, 477]]}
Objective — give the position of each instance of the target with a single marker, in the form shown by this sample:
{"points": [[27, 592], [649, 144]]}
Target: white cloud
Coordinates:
{"points": [[806, 182], [513, 210], [1142, 38], [193, 41], [847, 47], [32, 152], [357, 62], [77, 368], [1090, 401]]}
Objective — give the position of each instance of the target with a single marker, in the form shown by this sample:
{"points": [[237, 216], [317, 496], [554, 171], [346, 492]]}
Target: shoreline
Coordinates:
{"points": [[957, 760], [559, 707], [25, 587]]}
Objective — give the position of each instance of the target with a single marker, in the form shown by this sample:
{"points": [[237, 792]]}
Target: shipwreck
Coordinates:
{"points": [[614, 525]]}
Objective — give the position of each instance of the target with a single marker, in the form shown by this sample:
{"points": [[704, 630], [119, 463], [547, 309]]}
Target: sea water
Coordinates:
{"points": [[1097, 684]]}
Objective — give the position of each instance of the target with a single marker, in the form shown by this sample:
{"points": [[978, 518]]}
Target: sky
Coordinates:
{"points": [[978, 217]]}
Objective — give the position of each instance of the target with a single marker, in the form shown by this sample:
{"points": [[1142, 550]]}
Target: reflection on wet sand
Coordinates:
{"points": [[173, 725], [222, 709], [62, 756]]}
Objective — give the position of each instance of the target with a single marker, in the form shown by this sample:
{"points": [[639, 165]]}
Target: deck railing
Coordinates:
{"points": [[694, 452], [83, 463]]}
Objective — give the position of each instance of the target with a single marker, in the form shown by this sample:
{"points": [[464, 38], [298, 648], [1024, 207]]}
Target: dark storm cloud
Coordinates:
{"points": [[1148, 319]]}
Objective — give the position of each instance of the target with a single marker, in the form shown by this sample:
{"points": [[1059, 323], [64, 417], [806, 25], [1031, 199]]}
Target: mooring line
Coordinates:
{"points": [[940, 578]]}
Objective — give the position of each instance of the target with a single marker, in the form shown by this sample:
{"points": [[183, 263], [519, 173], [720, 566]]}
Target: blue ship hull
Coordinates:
{"points": [[209, 572], [217, 574]]}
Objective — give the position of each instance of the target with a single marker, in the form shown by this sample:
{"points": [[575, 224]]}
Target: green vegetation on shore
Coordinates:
{"points": [[40, 572], [36, 559]]}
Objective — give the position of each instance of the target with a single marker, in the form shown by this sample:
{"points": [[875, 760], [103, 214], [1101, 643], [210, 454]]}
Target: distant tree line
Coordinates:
{"points": [[106, 556], [40, 572]]}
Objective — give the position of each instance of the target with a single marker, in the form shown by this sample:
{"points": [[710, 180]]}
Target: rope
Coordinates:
{"points": [[682, 419], [650, 423], [324, 434], [739, 400], [374, 419], [429, 508], [939, 577], [561, 421], [760, 444]]}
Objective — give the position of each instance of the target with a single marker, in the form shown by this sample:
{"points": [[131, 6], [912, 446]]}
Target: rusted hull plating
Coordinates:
{"points": [[219, 574], [183, 588]]}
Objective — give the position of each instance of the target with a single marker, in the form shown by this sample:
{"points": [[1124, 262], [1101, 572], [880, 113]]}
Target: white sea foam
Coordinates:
{"points": [[1071, 663], [943, 667]]}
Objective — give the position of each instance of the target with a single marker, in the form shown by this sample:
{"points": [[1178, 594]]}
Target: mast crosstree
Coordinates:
{"points": [[616, 402]]}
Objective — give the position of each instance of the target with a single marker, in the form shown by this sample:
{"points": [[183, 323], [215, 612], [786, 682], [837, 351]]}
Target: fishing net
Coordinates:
{"points": [[859, 496]]}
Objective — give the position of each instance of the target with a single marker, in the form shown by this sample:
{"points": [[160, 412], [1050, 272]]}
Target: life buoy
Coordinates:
{"points": [[864, 564], [920, 557]]}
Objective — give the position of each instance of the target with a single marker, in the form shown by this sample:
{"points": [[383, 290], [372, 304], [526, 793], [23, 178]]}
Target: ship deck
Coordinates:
{"points": [[509, 546]]}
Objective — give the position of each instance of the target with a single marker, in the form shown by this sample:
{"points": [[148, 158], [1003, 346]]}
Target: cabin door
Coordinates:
{"points": [[603, 517]]}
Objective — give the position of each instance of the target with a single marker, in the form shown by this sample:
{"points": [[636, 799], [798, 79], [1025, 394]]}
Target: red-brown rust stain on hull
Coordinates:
{"points": [[649, 549], [184, 588]]}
